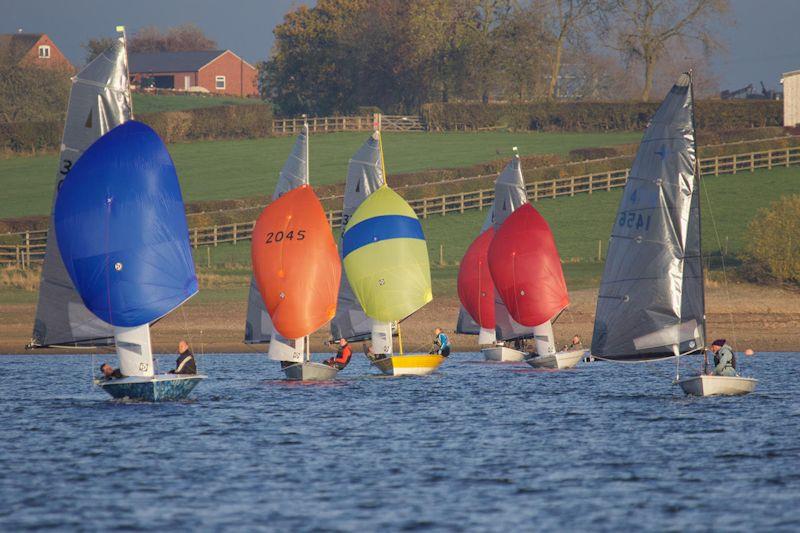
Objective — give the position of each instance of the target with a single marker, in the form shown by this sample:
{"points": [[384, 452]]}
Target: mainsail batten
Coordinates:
{"points": [[99, 101], [657, 230], [364, 176]]}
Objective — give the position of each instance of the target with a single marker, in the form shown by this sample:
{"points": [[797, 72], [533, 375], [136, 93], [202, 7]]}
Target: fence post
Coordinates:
{"points": [[234, 232], [480, 200], [716, 166], [769, 159], [195, 237], [462, 203], [787, 157], [441, 254], [752, 161], [608, 180], [424, 208], [572, 187], [215, 234], [444, 203], [599, 250], [735, 163]]}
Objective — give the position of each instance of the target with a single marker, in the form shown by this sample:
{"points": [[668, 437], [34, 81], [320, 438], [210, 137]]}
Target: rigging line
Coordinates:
{"points": [[724, 271]]}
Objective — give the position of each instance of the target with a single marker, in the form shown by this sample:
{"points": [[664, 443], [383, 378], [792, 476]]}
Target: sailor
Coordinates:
{"points": [[185, 364], [342, 357], [109, 372], [724, 358], [576, 344], [441, 344]]}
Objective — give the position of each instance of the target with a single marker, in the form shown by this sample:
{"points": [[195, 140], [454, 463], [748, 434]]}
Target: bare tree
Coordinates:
{"points": [[649, 26], [566, 19]]}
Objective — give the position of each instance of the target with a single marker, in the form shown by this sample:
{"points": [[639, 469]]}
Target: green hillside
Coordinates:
{"points": [[583, 222], [217, 170], [153, 103]]}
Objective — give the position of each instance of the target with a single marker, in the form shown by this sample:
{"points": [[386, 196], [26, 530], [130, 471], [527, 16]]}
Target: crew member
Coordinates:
{"points": [[185, 364], [441, 344], [342, 357], [575, 344], [109, 372], [724, 358]]}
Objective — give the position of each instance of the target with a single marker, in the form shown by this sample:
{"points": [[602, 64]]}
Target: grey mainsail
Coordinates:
{"points": [[651, 300], [98, 102], [364, 176], [509, 195], [258, 325]]}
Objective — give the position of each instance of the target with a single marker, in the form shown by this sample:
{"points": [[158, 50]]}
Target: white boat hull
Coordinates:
{"points": [[503, 353], [408, 365], [158, 388], [704, 385], [557, 361], [310, 371]]}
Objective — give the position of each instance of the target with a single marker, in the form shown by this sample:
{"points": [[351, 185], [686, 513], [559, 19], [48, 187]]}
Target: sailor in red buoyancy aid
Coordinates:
{"points": [[342, 357]]}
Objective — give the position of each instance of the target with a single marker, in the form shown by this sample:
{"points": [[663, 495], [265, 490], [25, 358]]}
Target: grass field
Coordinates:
{"points": [[152, 103], [216, 170], [581, 224]]}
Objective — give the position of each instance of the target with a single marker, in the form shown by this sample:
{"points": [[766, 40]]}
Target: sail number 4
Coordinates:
{"points": [[634, 220], [278, 236]]}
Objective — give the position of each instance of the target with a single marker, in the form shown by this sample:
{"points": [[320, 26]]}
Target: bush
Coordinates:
{"points": [[772, 246], [220, 122], [595, 116]]}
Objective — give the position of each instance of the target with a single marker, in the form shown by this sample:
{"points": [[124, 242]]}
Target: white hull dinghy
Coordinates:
{"points": [[710, 385], [310, 371], [503, 354], [158, 388], [557, 361]]}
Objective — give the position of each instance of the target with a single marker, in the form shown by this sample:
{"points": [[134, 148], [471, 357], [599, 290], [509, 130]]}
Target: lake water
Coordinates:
{"points": [[477, 446]]}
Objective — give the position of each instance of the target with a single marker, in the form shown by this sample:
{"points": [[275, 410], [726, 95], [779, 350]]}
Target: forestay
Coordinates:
{"points": [[509, 195], [99, 101], [364, 176], [258, 325], [653, 279]]}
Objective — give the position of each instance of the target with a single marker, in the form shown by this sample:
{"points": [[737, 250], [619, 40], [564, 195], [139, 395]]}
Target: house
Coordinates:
{"points": [[218, 71], [32, 49]]}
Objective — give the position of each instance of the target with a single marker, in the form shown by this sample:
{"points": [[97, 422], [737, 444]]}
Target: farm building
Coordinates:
{"points": [[32, 50], [791, 98], [218, 71]]}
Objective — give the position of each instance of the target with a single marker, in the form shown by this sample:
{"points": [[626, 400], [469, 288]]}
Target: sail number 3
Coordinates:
{"points": [[278, 236], [634, 220]]}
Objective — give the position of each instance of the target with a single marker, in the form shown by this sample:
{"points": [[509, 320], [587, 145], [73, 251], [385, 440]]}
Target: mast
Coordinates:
{"points": [[698, 181]]}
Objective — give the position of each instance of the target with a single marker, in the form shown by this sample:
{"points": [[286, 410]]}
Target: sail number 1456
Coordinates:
{"points": [[634, 220]]}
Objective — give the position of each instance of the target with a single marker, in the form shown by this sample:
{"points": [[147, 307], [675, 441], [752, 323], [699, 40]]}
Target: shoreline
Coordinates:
{"points": [[766, 319]]}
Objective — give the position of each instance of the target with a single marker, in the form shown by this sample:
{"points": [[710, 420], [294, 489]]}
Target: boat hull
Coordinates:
{"points": [[409, 365], [557, 361], [704, 385], [503, 353], [159, 388], [310, 372]]}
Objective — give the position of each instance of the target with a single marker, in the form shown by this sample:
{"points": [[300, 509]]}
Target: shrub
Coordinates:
{"points": [[772, 246]]}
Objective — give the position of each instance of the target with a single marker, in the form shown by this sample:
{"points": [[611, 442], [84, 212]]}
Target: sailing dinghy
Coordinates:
{"points": [[527, 273], [123, 238], [651, 303], [296, 271], [387, 267], [99, 101], [476, 292]]}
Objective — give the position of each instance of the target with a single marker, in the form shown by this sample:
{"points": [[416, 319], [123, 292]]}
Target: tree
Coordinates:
{"points": [[566, 20], [95, 47], [649, 26], [180, 38], [32, 94]]}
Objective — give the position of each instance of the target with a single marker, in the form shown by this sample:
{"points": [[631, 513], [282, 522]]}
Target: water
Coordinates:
{"points": [[478, 446]]}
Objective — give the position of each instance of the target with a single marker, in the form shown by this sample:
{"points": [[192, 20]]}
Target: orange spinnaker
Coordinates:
{"points": [[296, 263]]}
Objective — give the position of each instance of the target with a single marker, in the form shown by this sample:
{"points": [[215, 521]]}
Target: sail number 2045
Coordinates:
{"points": [[634, 220], [278, 236]]}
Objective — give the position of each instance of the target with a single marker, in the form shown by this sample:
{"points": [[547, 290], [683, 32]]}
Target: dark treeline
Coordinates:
{"points": [[342, 55]]}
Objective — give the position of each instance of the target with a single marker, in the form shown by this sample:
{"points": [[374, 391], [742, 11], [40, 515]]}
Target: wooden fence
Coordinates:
{"points": [[292, 126], [23, 249]]}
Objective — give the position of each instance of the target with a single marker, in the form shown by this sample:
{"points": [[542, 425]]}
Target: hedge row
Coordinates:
{"points": [[595, 116], [221, 122]]}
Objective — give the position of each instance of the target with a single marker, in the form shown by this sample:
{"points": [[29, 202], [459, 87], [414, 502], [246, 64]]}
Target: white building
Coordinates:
{"points": [[791, 98]]}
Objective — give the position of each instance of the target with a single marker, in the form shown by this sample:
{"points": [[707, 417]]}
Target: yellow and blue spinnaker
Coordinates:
{"points": [[386, 257]]}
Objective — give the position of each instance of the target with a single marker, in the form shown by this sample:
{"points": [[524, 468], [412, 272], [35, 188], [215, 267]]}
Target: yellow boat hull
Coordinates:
{"points": [[409, 365]]}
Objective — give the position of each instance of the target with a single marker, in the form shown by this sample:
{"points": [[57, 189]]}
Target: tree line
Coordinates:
{"points": [[341, 55]]}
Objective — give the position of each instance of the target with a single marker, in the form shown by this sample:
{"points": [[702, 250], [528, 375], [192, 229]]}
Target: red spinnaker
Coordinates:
{"points": [[296, 263], [475, 286], [526, 268]]}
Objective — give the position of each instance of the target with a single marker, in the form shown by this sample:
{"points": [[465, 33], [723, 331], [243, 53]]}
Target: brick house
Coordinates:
{"points": [[218, 71], [33, 49]]}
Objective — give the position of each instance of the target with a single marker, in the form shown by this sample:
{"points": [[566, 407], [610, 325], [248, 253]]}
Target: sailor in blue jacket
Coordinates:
{"points": [[441, 344], [724, 359]]}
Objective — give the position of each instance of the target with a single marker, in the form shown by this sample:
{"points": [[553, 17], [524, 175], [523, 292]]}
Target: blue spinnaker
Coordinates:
{"points": [[121, 228]]}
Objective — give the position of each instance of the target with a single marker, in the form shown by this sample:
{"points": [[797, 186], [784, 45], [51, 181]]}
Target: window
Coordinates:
{"points": [[44, 52], [219, 82]]}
